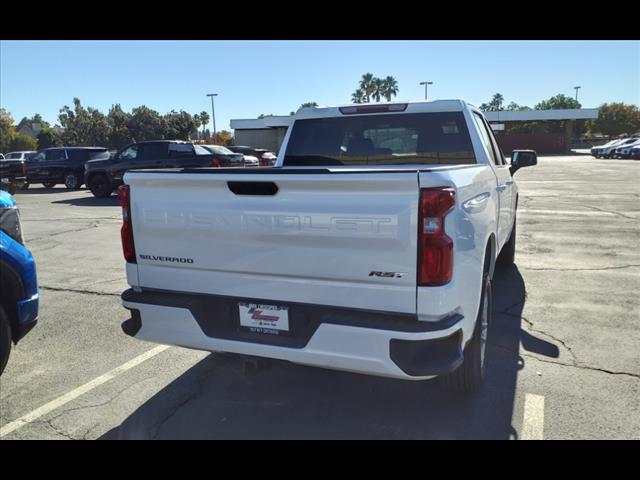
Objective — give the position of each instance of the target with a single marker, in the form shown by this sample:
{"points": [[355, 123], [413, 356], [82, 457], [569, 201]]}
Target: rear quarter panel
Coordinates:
{"points": [[471, 226]]}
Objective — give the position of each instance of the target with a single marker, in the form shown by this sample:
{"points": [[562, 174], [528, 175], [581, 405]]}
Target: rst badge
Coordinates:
{"points": [[260, 318], [387, 274]]}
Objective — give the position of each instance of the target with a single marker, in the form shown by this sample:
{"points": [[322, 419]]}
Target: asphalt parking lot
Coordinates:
{"points": [[564, 360]]}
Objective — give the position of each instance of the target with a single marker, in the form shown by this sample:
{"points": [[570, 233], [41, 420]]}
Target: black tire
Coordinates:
{"points": [[72, 181], [5, 339], [48, 184], [507, 255], [25, 186], [100, 186], [468, 377]]}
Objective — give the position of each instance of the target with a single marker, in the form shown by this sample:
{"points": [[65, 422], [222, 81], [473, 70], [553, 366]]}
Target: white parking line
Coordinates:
{"points": [[81, 390], [587, 213], [533, 421]]}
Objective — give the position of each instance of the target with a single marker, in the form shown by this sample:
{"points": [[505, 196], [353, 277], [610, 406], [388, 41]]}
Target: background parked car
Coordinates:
{"points": [[104, 175], [265, 157], [224, 156], [251, 161], [608, 152], [624, 151], [20, 155], [596, 151], [12, 172], [62, 165], [18, 280]]}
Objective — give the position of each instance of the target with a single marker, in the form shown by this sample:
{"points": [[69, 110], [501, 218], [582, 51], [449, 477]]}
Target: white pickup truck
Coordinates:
{"points": [[369, 246]]}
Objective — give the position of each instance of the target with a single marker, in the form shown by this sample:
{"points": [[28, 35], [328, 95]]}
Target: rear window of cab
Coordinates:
{"points": [[388, 139]]}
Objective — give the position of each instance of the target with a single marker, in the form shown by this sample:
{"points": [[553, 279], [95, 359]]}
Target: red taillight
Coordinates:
{"points": [[24, 168], [126, 232], [435, 248], [215, 162]]}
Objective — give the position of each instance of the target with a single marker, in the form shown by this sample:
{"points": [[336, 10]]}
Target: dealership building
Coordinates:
{"points": [[269, 131]]}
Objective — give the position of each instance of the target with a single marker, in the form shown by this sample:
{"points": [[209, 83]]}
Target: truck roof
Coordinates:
{"points": [[412, 106]]}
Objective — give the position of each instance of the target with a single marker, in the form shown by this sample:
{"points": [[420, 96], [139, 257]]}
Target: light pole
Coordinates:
{"points": [[426, 84], [213, 112], [576, 89]]}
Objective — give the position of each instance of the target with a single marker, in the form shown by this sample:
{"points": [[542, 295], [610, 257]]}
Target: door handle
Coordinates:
{"points": [[510, 182], [500, 188]]}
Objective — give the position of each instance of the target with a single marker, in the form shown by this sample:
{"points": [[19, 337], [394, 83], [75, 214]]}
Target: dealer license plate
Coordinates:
{"points": [[260, 318]]}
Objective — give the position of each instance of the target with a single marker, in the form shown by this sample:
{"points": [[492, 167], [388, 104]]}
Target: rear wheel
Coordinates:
{"points": [[71, 181], [5, 339], [48, 184], [24, 186], [468, 377], [100, 186]]}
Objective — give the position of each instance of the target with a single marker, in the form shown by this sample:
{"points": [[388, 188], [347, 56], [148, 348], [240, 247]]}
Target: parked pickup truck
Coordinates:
{"points": [[104, 176], [369, 247], [13, 172]]}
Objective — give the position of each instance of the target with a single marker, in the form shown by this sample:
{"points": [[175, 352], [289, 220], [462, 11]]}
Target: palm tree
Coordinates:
{"points": [[358, 96], [309, 104], [496, 101], [204, 119], [367, 86], [389, 88], [378, 87]]}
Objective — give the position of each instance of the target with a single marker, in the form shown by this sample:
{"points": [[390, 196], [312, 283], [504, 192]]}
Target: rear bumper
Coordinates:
{"points": [[375, 343]]}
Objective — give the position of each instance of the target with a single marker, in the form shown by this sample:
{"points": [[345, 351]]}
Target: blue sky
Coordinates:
{"points": [[275, 77]]}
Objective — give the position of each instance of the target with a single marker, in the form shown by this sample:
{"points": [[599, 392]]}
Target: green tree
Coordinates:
{"points": [[48, 137], [615, 119], [37, 118], [308, 104], [558, 102], [119, 135], [513, 106], [178, 125], [84, 126], [389, 88], [20, 141], [6, 129], [495, 105], [146, 124]]}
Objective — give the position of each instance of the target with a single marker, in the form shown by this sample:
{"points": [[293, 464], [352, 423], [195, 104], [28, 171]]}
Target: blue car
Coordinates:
{"points": [[18, 280]]}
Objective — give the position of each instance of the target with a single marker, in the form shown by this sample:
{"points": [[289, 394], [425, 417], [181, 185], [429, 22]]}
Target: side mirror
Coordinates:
{"points": [[522, 158]]}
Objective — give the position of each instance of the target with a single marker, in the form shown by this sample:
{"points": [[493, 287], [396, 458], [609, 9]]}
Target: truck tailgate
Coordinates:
{"points": [[316, 240]]}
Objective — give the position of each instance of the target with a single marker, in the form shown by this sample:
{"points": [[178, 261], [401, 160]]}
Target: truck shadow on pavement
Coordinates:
{"points": [[219, 399], [90, 201]]}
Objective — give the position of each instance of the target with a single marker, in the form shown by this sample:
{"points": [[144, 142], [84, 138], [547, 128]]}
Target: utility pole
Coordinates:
{"points": [[426, 84], [576, 89], [213, 112]]}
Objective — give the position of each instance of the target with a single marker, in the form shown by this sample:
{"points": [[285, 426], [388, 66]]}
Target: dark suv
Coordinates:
{"points": [[104, 176], [62, 165]]}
